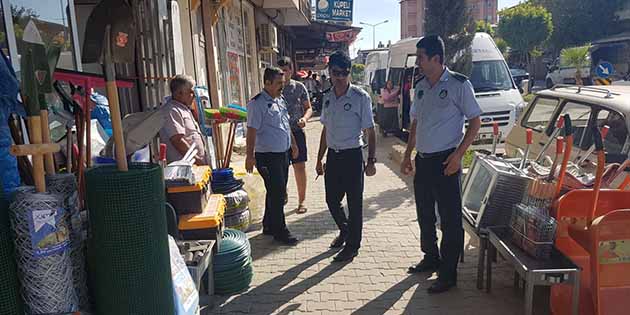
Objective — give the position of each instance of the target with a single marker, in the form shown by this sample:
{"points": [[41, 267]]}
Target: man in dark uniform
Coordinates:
{"points": [[347, 110], [269, 139], [443, 100]]}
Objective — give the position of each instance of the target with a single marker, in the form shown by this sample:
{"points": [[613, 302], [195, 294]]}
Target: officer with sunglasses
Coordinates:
{"points": [[346, 112]]}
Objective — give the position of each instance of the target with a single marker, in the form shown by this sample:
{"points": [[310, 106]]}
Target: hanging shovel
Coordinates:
{"points": [[110, 38]]}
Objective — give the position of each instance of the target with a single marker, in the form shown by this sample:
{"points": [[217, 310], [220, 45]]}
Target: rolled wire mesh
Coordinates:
{"points": [[39, 221], [66, 186], [10, 300]]}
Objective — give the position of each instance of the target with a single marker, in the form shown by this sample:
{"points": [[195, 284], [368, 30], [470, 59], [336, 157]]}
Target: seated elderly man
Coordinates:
{"points": [[181, 130]]}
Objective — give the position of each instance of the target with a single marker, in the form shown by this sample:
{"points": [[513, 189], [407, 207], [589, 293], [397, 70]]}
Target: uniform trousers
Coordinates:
{"points": [[274, 169], [431, 186], [344, 177]]}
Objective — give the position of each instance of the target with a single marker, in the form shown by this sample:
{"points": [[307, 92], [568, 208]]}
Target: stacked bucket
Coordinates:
{"points": [[237, 214], [233, 270]]}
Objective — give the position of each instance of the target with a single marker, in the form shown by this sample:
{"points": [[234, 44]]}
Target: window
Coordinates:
{"points": [[488, 76], [618, 132], [580, 115], [540, 113], [52, 20]]}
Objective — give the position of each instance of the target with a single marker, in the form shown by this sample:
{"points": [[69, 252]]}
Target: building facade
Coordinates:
{"points": [[413, 15]]}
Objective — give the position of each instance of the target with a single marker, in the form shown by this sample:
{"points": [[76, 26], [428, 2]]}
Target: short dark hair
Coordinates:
{"points": [[284, 62], [271, 73], [433, 45], [340, 59]]}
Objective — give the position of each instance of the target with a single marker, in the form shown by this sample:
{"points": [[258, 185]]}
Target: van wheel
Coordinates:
{"points": [[549, 83]]}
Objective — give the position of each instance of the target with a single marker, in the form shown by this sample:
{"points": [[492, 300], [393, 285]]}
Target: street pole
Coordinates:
{"points": [[374, 31]]}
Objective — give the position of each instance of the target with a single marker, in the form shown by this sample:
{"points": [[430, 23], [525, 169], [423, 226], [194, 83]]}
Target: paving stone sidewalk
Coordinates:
{"points": [[303, 279]]}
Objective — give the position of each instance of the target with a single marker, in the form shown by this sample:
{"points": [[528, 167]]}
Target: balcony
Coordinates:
{"points": [[294, 12]]}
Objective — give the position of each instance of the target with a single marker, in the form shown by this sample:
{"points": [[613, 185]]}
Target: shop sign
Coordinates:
{"points": [[347, 36], [334, 10]]}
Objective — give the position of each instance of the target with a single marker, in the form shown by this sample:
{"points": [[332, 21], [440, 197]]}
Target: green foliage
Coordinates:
{"points": [[503, 46], [577, 22], [525, 28], [578, 58], [451, 20], [357, 72], [485, 27]]}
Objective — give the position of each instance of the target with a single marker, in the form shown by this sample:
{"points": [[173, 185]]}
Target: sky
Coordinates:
{"points": [[375, 11]]}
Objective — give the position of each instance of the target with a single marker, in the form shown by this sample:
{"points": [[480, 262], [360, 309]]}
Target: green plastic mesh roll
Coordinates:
{"points": [[128, 257], [10, 300]]}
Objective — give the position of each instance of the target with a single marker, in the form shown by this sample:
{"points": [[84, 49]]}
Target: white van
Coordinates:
{"points": [[495, 89], [376, 70]]}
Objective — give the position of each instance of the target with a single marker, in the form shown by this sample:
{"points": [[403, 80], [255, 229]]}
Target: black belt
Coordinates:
{"points": [[344, 150], [434, 154]]}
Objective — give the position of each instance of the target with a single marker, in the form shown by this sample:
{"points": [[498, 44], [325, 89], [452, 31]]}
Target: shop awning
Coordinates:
{"points": [[621, 37], [314, 35], [294, 12]]}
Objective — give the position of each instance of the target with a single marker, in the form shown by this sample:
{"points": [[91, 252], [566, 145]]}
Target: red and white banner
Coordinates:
{"points": [[348, 36]]}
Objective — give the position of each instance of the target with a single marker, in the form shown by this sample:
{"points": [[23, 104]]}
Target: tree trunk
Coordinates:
{"points": [[578, 77]]}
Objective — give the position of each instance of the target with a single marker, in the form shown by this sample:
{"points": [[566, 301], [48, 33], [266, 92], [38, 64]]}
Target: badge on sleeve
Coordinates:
{"points": [[420, 94], [347, 107], [443, 94]]}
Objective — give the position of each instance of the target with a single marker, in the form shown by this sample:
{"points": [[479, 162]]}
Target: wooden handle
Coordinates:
{"points": [[34, 149], [495, 128], [48, 157], [530, 136], [114, 108], [35, 128]]}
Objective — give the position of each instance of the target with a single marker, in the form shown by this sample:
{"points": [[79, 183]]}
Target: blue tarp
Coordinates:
{"points": [[9, 89]]}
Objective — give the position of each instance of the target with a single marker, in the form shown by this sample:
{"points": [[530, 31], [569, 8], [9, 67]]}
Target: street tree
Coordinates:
{"points": [[578, 58], [503, 46], [451, 19], [577, 22], [525, 28], [485, 27]]}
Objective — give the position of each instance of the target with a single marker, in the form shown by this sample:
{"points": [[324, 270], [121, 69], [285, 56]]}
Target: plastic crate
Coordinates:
{"points": [[533, 230]]}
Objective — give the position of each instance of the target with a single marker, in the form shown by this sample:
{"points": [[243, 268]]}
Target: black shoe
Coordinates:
{"points": [[346, 255], [338, 242], [441, 286], [424, 266], [286, 238]]}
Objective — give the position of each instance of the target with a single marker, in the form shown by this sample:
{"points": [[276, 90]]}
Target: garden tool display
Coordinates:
{"points": [[554, 134], [594, 235], [580, 160], [110, 38], [530, 136]]}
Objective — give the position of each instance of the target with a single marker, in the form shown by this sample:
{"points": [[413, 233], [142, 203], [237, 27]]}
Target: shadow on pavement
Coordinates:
{"points": [[275, 292]]}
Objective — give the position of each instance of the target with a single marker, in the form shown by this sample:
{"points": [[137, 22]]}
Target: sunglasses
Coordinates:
{"points": [[340, 73]]}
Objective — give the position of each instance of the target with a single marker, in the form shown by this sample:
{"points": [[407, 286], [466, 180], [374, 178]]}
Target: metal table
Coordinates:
{"points": [[558, 269], [482, 234]]}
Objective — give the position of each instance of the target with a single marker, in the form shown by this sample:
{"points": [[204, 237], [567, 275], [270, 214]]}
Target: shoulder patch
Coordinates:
{"points": [[459, 77]]}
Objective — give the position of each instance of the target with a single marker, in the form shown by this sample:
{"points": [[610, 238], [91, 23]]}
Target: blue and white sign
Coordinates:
{"points": [[334, 10], [605, 69]]}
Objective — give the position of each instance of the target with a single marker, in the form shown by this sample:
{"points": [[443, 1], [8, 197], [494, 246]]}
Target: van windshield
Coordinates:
{"points": [[490, 76]]}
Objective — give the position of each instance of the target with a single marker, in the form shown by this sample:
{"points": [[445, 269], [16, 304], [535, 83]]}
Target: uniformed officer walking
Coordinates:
{"points": [[443, 100], [268, 142], [347, 110]]}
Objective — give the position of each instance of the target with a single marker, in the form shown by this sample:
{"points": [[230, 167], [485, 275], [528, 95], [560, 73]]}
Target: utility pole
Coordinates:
{"points": [[374, 31]]}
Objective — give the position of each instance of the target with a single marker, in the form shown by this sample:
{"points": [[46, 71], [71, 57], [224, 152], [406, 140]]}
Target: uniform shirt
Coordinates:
{"points": [[295, 95], [179, 119], [270, 118], [345, 118], [441, 111]]}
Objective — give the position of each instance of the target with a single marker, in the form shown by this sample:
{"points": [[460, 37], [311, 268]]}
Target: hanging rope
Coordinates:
{"points": [[39, 221]]}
